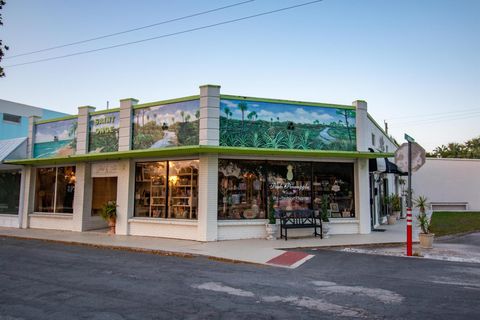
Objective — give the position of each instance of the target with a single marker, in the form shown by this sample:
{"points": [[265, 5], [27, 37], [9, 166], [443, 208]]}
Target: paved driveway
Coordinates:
{"points": [[43, 280]]}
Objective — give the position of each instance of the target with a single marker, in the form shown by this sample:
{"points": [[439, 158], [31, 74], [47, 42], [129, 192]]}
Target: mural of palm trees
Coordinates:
{"points": [[243, 107], [182, 114], [347, 114], [187, 118], [227, 111], [252, 116], [197, 114]]}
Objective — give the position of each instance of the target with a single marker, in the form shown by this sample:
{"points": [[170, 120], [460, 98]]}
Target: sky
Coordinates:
{"points": [[416, 63]]}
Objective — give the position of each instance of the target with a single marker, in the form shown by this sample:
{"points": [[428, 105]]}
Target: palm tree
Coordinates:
{"points": [[243, 107], [197, 114], [347, 114], [182, 114], [187, 118]]}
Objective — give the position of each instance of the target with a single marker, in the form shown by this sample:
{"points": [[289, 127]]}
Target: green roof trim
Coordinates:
{"points": [[162, 102], [304, 103], [104, 111], [126, 99], [196, 150], [56, 119]]}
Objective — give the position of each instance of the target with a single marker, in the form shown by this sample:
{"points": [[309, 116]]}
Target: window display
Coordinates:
{"points": [[55, 189], [166, 189], [333, 183], [289, 185], [241, 187], [243, 190], [9, 191]]}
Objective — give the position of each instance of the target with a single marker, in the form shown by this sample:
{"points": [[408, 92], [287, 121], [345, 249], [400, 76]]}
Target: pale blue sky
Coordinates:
{"points": [[405, 58]]}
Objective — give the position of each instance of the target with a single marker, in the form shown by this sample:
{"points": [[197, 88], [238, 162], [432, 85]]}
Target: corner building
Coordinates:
{"points": [[206, 167]]}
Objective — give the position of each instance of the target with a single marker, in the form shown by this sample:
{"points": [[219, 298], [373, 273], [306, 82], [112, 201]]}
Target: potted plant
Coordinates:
{"points": [[388, 204], [271, 226], [109, 214], [396, 203], [425, 236]]}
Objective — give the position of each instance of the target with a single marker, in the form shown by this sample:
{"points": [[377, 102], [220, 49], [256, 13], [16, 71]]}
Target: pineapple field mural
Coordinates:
{"points": [[259, 124], [103, 135]]}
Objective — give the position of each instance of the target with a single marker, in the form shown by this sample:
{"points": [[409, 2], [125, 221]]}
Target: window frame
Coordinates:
{"points": [[55, 192]]}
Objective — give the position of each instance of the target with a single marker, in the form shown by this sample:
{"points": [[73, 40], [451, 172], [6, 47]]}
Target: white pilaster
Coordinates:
{"points": [[31, 135], [82, 201], [361, 124], [362, 198], [28, 194], [207, 198], [209, 115], [83, 129], [125, 195], [125, 125]]}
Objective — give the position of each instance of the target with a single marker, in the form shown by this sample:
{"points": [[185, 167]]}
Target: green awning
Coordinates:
{"points": [[196, 150]]}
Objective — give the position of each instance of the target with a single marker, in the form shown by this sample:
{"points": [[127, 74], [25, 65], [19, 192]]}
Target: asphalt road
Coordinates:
{"points": [[43, 280]]}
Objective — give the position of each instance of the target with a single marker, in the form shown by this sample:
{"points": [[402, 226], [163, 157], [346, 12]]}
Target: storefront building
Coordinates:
{"points": [[206, 167]]}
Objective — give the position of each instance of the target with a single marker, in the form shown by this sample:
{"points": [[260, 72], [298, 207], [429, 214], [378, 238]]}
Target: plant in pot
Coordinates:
{"points": [[271, 226], [396, 203], [109, 214], [390, 215], [324, 216], [425, 236]]}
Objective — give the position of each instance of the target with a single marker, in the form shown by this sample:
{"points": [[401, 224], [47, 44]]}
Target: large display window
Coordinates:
{"points": [[241, 189], [55, 189], [246, 187], [166, 189], [9, 191]]}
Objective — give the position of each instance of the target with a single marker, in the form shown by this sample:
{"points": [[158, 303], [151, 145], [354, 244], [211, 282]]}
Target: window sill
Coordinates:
{"points": [[9, 215], [52, 215], [342, 220], [181, 222], [243, 222]]}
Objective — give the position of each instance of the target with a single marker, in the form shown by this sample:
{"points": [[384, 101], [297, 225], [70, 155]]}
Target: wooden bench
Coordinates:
{"points": [[299, 219]]}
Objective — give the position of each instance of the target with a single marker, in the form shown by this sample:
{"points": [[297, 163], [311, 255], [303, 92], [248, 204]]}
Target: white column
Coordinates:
{"points": [[207, 198], [362, 191], [125, 194], [361, 124], [83, 129], [82, 201], [28, 194], [362, 185], [21, 200], [31, 135], [209, 125], [125, 124]]}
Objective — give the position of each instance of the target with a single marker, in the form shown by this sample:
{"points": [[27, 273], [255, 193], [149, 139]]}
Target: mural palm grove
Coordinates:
{"points": [[255, 124], [174, 124]]}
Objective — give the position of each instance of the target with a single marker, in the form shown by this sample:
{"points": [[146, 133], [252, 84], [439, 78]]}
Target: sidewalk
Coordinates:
{"points": [[257, 251]]}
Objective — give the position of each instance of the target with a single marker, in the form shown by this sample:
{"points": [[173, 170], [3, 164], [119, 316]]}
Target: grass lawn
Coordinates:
{"points": [[444, 223]]}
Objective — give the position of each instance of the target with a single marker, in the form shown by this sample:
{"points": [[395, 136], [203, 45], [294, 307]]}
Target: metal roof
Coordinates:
{"points": [[13, 149]]}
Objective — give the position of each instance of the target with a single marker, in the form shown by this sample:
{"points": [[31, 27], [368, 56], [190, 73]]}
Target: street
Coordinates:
{"points": [[45, 280]]}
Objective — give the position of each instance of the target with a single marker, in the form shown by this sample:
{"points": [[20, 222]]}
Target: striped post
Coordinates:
{"points": [[409, 232]]}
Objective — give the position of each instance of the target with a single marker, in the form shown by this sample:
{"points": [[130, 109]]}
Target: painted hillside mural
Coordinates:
{"points": [[55, 139], [174, 124], [103, 135], [286, 126]]}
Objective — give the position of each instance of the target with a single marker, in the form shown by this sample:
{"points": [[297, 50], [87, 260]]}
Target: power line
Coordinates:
{"points": [[418, 123], [129, 30], [429, 115], [167, 35], [438, 117]]}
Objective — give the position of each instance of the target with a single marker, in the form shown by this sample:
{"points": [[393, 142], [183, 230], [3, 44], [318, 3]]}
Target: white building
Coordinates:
{"points": [[206, 167]]}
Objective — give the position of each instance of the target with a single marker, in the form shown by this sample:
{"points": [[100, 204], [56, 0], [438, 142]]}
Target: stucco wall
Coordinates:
{"points": [[449, 180]]}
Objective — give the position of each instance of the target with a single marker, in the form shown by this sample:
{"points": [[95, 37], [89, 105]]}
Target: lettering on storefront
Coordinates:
{"points": [[105, 121]]}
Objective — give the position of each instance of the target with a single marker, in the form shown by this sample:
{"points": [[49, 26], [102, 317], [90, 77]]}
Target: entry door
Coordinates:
{"points": [[104, 189]]}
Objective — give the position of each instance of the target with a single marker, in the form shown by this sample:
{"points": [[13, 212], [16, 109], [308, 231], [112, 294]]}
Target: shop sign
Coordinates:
{"points": [[104, 169]]}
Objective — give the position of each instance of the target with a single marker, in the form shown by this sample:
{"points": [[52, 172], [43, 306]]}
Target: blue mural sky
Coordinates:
{"points": [[46, 132], [165, 113], [285, 112]]}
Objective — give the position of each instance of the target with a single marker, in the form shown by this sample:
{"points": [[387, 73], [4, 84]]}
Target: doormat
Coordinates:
{"points": [[379, 230]]}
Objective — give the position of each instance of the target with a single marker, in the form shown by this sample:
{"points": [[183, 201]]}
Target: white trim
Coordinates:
{"points": [[9, 215], [163, 221], [52, 215], [343, 220], [251, 222]]}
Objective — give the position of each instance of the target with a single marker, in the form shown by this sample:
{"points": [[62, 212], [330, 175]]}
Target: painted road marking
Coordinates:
{"points": [[290, 259]]}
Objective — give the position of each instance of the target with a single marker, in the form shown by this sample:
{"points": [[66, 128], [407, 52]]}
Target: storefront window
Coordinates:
{"points": [[9, 191], [167, 189], [333, 187], [289, 184], [241, 187], [183, 191], [55, 189], [104, 190]]}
